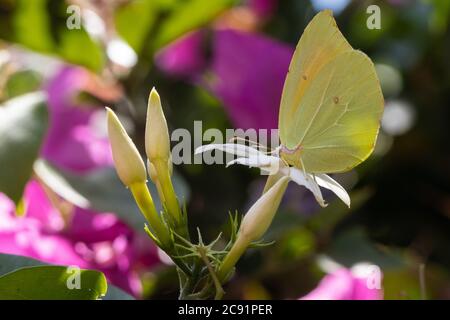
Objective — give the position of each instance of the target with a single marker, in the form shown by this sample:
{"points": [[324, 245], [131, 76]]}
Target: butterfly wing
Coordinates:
{"points": [[332, 102], [320, 43], [339, 115]]}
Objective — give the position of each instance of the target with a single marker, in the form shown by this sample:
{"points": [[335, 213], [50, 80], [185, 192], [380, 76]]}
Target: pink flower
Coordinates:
{"points": [[184, 57], [249, 72], [246, 72], [362, 282], [69, 235], [26, 236], [73, 142], [87, 239], [263, 8]]}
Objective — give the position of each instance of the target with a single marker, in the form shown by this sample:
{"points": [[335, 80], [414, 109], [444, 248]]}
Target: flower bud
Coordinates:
{"points": [[154, 177], [157, 143], [128, 162], [157, 147], [152, 172], [253, 226], [259, 217]]}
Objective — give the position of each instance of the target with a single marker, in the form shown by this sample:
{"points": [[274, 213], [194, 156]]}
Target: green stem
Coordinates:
{"points": [[217, 284], [236, 251], [167, 190], [188, 285], [145, 203]]}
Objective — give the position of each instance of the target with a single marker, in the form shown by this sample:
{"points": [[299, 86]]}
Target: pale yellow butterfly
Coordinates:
{"points": [[331, 104]]}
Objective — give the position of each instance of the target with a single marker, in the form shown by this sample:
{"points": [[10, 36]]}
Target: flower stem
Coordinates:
{"points": [[236, 251], [169, 198], [168, 192], [217, 284], [145, 203]]}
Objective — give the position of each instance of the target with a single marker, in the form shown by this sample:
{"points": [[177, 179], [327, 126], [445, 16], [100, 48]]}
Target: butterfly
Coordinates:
{"points": [[331, 104], [330, 112]]}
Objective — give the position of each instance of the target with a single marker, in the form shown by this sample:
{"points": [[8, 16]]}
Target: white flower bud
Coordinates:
{"points": [[128, 162], [157, 143], [259, 217]]}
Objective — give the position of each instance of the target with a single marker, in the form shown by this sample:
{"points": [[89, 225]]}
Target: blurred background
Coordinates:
{"points": [[222, 62]]}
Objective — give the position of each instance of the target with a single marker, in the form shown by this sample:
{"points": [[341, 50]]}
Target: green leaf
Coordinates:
{"points": [[188, 16], [11, 263], [143, 15], [40, 25], [31, 24], [101, 190], [22, 128], [91, 56], [22, 82], [52, 282]]}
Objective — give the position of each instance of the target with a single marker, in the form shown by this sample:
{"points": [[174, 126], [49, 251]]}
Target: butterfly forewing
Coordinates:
{"points": [[320, 43], [331, 104]]}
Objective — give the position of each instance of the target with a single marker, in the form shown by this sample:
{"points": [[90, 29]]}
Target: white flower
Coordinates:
{"points": [[272, 164]]}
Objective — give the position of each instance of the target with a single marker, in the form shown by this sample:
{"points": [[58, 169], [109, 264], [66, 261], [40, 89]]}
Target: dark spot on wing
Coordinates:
{"points": [[305, 77], [336, 100]]}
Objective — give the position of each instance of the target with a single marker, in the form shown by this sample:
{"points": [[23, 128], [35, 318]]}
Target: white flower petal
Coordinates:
{"points": [[249, 162], [327, 182], [308, 181], [268, 164], [234, 148]]}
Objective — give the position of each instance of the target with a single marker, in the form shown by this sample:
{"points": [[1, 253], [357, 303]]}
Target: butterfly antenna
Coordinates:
{"points": [[253, 143]]}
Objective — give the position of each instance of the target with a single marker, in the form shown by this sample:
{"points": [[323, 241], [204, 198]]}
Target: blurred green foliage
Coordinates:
{"points": [[22, 129], [400, 197], [25, 279], [49, 283]]}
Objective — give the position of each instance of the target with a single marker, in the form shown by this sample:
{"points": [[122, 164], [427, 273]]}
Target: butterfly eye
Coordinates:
{"points": [[305, 77]]}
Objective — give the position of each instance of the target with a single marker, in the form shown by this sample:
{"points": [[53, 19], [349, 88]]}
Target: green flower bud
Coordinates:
{"points": [[157, 147], [127, 160], [157, 143]]}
